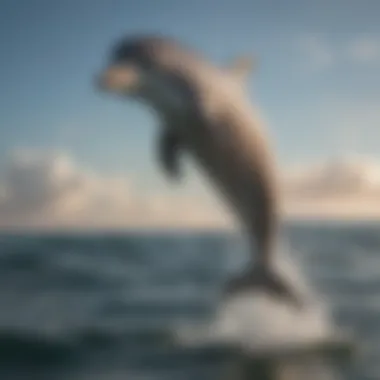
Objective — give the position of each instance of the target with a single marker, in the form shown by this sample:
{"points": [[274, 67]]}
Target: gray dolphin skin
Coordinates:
{"points": [[205, 113]]}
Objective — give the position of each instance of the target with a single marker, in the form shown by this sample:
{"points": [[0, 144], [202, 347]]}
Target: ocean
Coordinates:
{"points": [[101, 305]]}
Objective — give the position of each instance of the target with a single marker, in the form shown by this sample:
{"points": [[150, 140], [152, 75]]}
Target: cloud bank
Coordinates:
{"points": [[48, 190], [321, 53], [346, 188]]}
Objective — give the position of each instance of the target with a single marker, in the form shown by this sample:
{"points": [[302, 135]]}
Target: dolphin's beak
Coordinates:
{"points": [[118, 79]]}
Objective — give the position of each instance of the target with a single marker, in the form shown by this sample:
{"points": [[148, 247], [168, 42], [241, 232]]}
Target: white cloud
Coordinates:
{"points": [[347, 186], [322, 54], [48, 190], [364, 49], [340, 189]]}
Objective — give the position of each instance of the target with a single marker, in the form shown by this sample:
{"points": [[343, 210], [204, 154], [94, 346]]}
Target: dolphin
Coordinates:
{"points": [[204, 113]]}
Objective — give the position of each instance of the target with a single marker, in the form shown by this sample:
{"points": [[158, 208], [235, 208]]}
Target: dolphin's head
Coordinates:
{"points": [[140, 68]]}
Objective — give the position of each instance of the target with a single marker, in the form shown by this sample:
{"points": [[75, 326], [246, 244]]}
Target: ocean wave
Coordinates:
{"points": [[33, 348]]}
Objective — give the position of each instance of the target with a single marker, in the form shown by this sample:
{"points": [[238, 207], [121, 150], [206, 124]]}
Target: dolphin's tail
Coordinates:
{"points": [[264, 279]]}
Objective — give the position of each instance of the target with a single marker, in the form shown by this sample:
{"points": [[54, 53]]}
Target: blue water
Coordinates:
{"points": [[99, 306]]}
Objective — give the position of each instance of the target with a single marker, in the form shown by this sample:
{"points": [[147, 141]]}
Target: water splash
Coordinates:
{"points": [[258, 323]]}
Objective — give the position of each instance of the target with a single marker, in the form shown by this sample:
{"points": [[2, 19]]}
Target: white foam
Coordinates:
{"points": [[258, 322]]}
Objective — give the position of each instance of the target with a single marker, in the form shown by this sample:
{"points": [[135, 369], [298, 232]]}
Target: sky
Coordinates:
{"points": [[72, 156]]}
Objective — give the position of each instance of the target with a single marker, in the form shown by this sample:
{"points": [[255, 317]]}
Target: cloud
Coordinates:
{"points": [[364, 49], [49, 190], [346, 188], [323, 54]]}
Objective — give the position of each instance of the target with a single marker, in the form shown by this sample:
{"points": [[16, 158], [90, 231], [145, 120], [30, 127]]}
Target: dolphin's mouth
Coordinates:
{"points": [[120, 79]]}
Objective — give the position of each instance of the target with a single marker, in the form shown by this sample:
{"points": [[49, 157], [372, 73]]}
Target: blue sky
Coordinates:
{"points": [[317, 80]]}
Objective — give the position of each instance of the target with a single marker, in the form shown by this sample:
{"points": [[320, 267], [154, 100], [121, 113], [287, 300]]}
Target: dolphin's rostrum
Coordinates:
{"points": [[204, 111]]}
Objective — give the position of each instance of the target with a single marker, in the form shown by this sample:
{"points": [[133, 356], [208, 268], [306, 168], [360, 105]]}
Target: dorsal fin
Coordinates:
{"points": [[241, 67]]}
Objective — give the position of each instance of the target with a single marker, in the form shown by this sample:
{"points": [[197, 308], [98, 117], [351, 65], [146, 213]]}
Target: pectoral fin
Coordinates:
{"points": [[169, 148]]}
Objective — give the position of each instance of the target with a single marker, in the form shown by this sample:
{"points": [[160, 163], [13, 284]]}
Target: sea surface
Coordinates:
{"points": [[101, 305]]}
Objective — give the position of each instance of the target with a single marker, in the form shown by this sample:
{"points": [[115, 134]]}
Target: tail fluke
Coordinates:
{"points": [[265, 280]]}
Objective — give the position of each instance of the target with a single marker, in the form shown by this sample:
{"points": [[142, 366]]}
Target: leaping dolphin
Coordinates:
{"points": [[205, 113]]}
